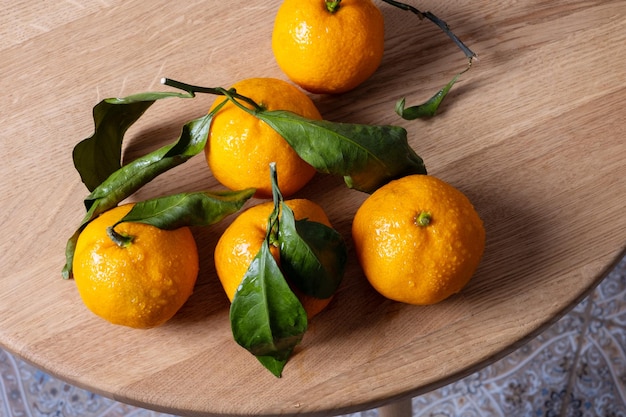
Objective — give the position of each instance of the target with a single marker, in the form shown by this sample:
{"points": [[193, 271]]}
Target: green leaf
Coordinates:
{"points": [[70, 246], [131, 177], [427, 109], [266, 318], [312, 254], [99, 155], [274, 365], [202, 208], [367, 156]]}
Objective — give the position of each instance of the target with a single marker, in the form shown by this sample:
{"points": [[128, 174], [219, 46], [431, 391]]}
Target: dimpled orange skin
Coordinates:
{"points": [[142, 285], [326, 52], [418, 264], [242, 240], [241, 147]]}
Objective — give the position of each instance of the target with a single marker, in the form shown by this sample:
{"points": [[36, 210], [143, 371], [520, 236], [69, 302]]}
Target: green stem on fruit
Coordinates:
{"points": [[440, 23], [231, 93], [277, 197], [119, 239], [423, 219], [332, 5], [234, 97]]}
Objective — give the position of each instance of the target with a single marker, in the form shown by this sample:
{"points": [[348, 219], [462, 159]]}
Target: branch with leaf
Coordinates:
{"points": [[430, 107]]}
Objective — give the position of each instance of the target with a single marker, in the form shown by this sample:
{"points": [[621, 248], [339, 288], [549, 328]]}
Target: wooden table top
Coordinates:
{"points": [[534, 134]]}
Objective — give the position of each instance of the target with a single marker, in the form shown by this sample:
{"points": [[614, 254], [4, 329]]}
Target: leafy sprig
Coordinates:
{"points": [[98, 156], [266, 317], [366, 156], [430, 107], [103, 148]]}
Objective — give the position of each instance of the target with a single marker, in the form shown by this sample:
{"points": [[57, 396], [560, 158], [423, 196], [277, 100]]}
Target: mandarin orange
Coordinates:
{"points": [[140, 285], [240, 146], [418, 239], [328, 46], [242, 240]]}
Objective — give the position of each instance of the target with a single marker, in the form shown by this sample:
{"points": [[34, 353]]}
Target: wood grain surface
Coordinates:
{"points": [[534, 134]]}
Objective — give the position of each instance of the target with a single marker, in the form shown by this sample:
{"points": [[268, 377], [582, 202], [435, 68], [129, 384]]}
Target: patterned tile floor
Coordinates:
{"points": [[576, 368]]}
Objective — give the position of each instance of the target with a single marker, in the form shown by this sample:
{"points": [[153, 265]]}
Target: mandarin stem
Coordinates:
{"points": [[440, 23], [332, 5], [119, 239], [233, 98], [272, 228], [423, 219], [219, 91]]}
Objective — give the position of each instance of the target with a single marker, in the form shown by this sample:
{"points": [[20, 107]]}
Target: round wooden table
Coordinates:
{"points": [[534, 134]]}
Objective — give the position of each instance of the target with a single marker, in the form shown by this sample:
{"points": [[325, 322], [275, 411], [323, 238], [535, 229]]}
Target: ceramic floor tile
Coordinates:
{"points": [[610, 300], [598, 384]]}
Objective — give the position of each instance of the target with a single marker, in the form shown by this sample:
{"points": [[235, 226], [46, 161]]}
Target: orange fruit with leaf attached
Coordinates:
{"points": [[241, 147], [140, 285], [418, 239], [242, 240], [328, 46]]}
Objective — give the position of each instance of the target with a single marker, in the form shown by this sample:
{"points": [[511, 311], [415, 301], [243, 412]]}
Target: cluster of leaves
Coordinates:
{"points": [[266, 318], [98, 161]]}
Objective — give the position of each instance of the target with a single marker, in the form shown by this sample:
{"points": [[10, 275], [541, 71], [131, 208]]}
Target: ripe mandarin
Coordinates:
{"points": [[241, 147], [418, 239], [328, 46], [242, 240], [140, 285]]}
